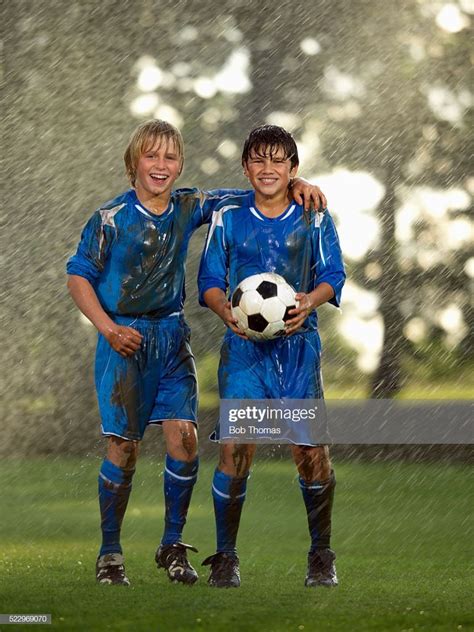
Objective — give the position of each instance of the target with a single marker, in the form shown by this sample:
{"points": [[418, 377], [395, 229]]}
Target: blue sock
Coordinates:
{"points": [[115, 485], [180, 477], [228, 493], [318, 498]]}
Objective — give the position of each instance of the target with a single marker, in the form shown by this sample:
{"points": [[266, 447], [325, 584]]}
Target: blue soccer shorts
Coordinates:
{"points": [[285, 368], [156, 384]]}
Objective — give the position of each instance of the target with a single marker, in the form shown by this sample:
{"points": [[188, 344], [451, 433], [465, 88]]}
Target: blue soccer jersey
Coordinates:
{"points": [[303, 247], [134, 259]]}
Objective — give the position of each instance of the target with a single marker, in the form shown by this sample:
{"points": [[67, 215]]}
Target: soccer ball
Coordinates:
{"points": [[261, 303]]}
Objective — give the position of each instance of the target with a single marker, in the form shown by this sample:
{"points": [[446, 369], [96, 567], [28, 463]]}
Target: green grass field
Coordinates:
{"points": [[402, 533]]}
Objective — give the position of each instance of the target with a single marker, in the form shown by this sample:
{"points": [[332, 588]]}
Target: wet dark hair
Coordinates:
{"points": [[266, 140]]}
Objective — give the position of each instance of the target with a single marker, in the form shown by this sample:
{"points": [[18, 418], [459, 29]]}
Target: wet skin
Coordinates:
{"points": [[313, 462], [181, 444], [157, 169]]}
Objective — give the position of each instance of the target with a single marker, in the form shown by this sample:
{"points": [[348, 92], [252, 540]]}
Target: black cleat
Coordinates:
{"points": [[321, 569], [173, 558], [109, 569], [225, 572]]}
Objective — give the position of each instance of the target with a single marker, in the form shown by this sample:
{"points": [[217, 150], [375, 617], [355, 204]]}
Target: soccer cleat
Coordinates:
{"points": [[225, 572], [321, 569], [109, 569], [173, 558]]}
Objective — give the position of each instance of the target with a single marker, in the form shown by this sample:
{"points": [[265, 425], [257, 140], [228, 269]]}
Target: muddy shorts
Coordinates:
{"points": [[285, 368], [156, 384]]}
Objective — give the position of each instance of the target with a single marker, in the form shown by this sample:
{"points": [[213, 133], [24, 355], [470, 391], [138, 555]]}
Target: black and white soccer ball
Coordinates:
{"points": [[261, 304]]}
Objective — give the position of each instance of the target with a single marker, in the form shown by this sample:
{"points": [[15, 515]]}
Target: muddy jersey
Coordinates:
{"points": [[303, 247], [134, 259]]}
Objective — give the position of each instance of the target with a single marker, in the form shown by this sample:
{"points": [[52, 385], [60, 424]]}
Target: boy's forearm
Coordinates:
{"points": [[216, 300], [321, 294], [85, 298]]}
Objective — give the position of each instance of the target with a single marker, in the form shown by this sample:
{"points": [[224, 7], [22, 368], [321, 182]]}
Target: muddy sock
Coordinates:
{"points": [[318, 498], [228, 493], [180, 477], [115, 485]]}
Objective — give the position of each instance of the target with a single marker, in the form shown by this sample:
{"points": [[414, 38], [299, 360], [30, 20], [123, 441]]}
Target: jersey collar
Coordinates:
{"points": [[259, 215], [144, 211]]}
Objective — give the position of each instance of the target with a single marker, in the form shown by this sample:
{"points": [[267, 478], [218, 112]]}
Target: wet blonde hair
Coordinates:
{"points": [[144, 138]]}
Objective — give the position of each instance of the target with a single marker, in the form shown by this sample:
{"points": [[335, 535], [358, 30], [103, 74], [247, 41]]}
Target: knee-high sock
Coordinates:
{"points": [[115, 485], [228, 493], [180, 477], [318, 498]]}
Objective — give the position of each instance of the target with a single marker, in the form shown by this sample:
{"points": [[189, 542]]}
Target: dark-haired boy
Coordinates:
{"points": [[268, 232], [127, 277]]}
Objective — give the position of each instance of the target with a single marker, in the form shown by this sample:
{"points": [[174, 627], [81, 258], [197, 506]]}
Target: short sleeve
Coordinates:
{"points": [[329, 261], [93, 249]]}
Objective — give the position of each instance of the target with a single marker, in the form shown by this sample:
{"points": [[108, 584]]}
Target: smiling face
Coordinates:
{"points": [[269, 171], [157, 169]]}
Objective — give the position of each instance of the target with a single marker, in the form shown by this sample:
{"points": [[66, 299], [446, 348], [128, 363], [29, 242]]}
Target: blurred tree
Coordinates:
{"points": [[393, 132]]}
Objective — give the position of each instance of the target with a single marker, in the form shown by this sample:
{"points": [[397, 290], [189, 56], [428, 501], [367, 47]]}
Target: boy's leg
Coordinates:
{"points": [[126, 391], [115, 484], [317, 482], [241, 376], [175, 409], [229, 488], [180, 475]]}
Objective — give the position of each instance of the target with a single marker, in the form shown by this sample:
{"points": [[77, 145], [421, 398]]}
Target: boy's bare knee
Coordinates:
{"points": [[313, 462], [188, 443], [235, 460], [122, 453], [181, 440]]}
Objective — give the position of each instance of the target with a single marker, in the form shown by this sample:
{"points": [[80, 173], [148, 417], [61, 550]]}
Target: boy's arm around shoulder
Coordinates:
{"points": [[302, 191], [206, 202]]}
